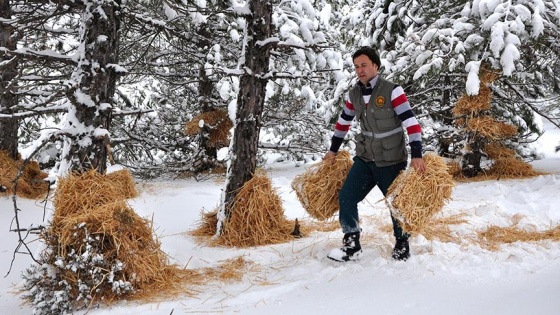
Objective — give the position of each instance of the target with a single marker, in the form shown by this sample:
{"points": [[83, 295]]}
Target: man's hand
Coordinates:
{"points": [[330, 156], [418, 164]]}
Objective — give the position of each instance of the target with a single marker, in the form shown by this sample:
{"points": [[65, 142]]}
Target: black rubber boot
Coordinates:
{"points": [[350, 250], [401, 250]]}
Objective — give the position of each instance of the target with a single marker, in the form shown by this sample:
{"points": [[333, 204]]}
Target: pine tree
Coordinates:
{"points": [[435, 49], [282, 49]]}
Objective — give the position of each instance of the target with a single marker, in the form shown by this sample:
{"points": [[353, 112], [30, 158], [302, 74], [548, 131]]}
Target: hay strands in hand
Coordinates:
{"points": [[317, 189], [414, 199]]}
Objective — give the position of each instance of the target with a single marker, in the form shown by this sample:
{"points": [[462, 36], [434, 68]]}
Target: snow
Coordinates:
{"points": [[170, 13], [473, 81], [458, 277]]}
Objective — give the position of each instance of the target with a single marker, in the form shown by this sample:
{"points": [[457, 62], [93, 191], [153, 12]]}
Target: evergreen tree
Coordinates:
{"points": [[435, 50]]}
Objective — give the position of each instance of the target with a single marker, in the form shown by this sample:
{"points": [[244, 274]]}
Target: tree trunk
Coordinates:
{"points": [[471, 160], [250, 102], [8, 99], [96, 78], [208, 153]]}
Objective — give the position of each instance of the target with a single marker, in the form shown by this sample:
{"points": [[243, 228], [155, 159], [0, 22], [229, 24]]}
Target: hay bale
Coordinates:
{"points": [[414, 199], [31, 183], [91, 208], [317, 189], [257, 216], [218, 123], [511, 168]]}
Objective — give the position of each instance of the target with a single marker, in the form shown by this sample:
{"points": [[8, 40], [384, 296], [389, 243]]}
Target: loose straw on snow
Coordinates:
{"points": [[494, 235], [317, 189], [415, 199], [511, 168]]}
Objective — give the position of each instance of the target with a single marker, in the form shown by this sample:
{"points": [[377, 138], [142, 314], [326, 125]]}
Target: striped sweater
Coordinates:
{"points": [[402, 108]]}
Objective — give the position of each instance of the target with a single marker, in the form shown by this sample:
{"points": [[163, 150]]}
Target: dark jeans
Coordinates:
{"points": [[361, 179]]}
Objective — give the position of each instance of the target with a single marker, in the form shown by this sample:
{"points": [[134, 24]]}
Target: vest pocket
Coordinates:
{"points": [[393, 147], [360, 144]]}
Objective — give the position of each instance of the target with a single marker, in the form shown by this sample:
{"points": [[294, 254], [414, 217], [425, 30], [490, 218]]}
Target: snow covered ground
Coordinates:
{"points": [[458, 277]]}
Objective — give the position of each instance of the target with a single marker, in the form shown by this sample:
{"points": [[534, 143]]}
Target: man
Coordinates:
{"points": [[382, 109]]}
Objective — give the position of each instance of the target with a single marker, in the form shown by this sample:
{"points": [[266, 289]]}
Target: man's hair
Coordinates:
{"points": [[370, 52]]}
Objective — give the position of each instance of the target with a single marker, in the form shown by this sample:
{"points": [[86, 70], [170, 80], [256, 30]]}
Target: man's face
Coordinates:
{"points": [[365, 68]]}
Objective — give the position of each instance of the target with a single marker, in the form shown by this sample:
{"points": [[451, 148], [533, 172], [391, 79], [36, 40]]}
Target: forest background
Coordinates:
{"points": [[152, 85]]}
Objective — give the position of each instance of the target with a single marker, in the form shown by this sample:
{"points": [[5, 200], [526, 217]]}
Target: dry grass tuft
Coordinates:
{"points": [[257, 216], [317, 189], [415, 199], [31, 183], [218, 123]]}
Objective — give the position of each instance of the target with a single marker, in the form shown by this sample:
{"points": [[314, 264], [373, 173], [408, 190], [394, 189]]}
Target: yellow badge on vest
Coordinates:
{"points": [[380, 101]]}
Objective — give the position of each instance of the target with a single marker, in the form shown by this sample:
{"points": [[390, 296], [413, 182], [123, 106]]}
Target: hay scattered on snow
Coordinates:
{"points": [[511, 168], [230, 270], [31, 183], [415, 199], [257, 216], [439, 228], [317, 189], [218, 123], [494, 235]]}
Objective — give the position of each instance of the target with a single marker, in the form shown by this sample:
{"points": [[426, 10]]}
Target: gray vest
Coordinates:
{"points": [[382, 139]]}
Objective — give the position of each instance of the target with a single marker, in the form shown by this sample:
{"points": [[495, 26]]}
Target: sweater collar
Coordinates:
{"points": [[370, 84]]}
